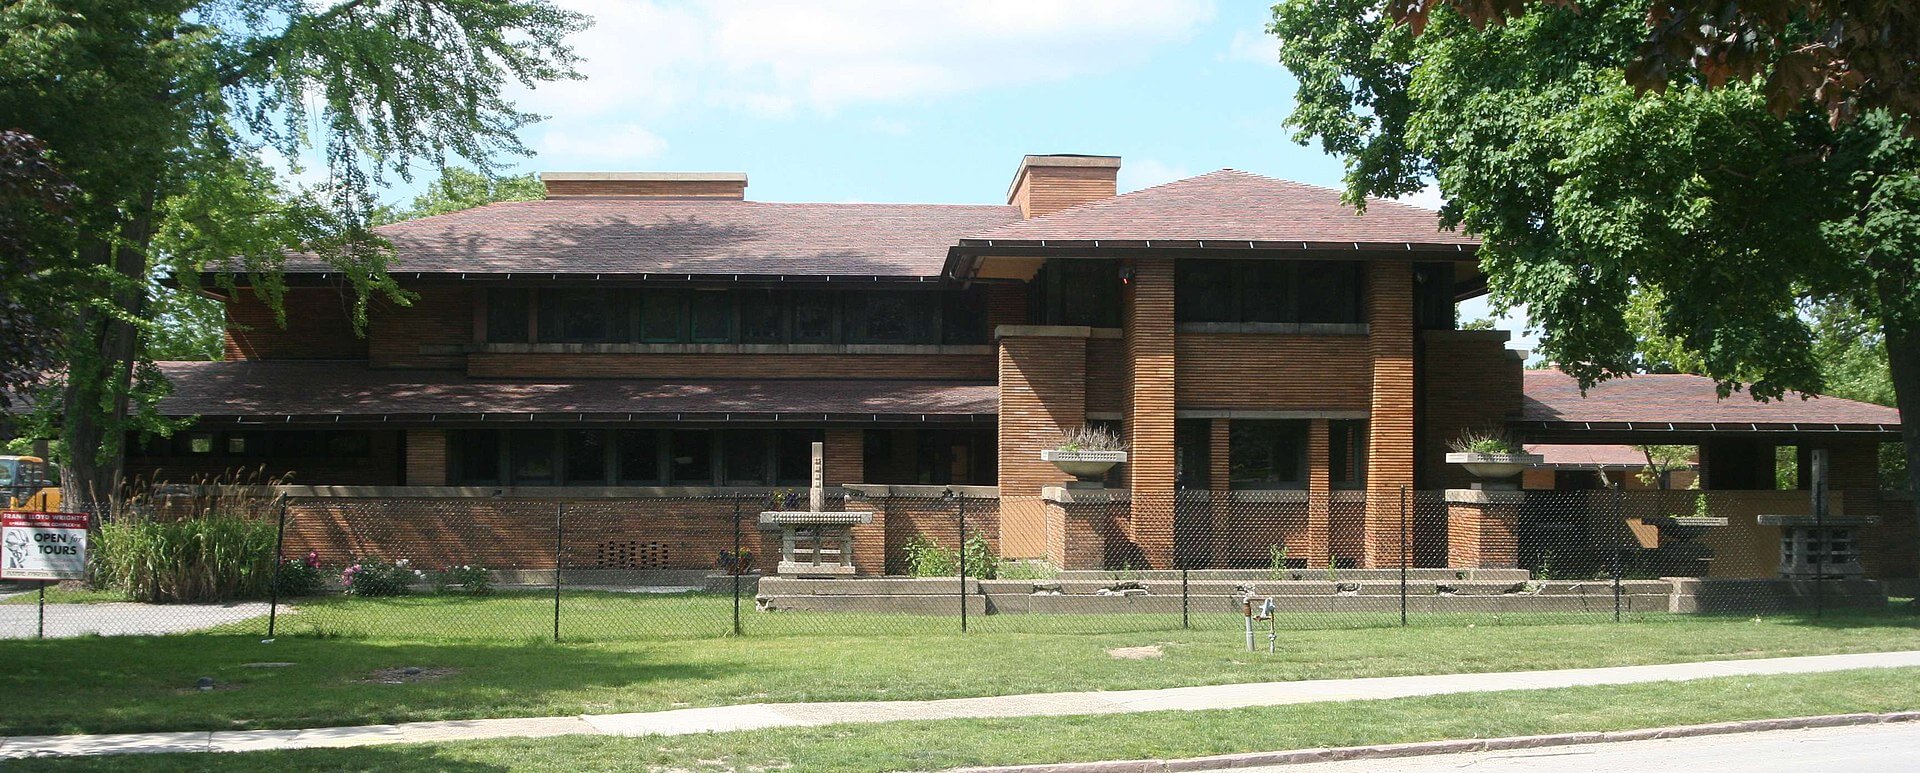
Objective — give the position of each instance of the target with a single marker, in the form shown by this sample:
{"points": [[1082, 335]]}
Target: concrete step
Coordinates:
{"points": [[865, 586], [893, 605], [1311, 573], [1323, 588]]}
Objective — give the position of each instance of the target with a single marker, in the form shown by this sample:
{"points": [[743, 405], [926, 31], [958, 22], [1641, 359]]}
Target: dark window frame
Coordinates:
{"points": [[1241, 277], [1274, 434]]}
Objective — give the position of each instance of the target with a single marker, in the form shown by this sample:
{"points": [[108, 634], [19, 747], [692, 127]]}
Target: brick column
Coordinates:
{"points": [[1319, 494], [1480, 529], [426, 457], [1390, 431], [846, 464], [846, 456], [1150, 407], [1078, 527]]}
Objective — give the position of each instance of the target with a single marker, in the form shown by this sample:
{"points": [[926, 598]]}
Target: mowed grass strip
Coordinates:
{"points": [[1172, 734], [132, 684]]}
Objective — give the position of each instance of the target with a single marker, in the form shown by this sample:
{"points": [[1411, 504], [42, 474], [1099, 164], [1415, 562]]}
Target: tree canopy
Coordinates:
{"points": [[1718, 220], [166, 117]]}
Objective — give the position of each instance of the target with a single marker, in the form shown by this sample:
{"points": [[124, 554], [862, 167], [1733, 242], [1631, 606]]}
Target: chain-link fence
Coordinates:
{"points": [[1076, 561]]}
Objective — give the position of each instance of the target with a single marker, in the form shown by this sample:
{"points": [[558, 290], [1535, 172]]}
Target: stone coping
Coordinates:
{"points": [[1474, 496], [1056, 331], [644, 348], [1084, 496], [811, 518], [1831, 520], [886, 490]]}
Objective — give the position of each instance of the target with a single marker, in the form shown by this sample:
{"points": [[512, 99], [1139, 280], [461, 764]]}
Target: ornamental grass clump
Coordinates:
{"points": [[203, 559], [1475, 441], [1090, 438]]}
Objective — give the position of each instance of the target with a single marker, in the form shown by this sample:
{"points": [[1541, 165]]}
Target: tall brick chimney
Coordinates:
{"points": [[1047, 184], [649, 185]]}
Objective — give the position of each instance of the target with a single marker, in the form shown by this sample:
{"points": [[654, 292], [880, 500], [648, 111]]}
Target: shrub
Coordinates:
{"points": [[470, 580], [212, 558], [380, 578], [303, 576], [925, 558]]}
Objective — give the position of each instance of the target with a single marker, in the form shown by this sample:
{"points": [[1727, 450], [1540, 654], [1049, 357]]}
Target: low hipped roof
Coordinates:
{"points": [[1651, 401], [585, 236], [276, 391], [1233, 208]]}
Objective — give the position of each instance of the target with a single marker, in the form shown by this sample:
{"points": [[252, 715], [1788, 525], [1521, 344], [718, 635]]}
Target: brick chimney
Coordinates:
{"points": [[647, 185], [1047, 184]]}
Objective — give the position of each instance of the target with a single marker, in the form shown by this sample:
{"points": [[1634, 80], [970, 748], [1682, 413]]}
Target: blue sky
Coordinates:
{"points": [[864, 100]]}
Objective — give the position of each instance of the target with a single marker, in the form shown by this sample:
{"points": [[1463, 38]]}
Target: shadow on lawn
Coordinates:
{"points": [[137, 684]]}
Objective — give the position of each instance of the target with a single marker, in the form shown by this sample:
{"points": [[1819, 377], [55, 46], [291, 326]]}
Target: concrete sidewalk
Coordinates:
{"points": [[758, 716]]}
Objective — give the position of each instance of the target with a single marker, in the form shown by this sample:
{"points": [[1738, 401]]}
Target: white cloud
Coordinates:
{"points": [[772, 57], [1148, 172], [1426, 198], [624, 142], [1256, 47]]}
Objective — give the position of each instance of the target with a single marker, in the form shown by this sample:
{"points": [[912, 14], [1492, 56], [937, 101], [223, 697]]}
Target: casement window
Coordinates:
{"points": [[282, 444], [1076, 292], [1268, 291], [1265, 454], [763, 317], [1192, 453], [507, 314], [931, 456], [710, 316], [631, 457], [963, 316], [813, 316], [1347, 453], [890, 317], [660, 315], [578, 316]]}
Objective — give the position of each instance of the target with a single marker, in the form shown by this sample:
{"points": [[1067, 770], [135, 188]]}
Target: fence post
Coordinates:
{"points": [[737, 567], [1185, 622], [559, 547], [963, 557], [1821, 538], [279, 557], [40, 628], [1406, 547]]}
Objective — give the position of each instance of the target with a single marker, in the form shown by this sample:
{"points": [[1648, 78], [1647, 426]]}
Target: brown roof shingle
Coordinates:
{"points": [[351, 390], [631, 236], [1232, 206], [1552, 396]]}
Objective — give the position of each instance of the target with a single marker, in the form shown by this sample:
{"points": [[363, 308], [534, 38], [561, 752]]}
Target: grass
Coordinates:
{"points": [[1172, 734], [505, 664]]}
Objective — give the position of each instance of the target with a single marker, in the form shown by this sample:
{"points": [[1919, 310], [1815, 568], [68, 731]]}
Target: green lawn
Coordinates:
{"points": [[504, 663], [952, 743], [56, 595]]}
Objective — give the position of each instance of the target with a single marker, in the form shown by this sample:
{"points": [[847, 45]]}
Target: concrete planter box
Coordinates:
{"points": [[1494, 466], [1085, 465]]}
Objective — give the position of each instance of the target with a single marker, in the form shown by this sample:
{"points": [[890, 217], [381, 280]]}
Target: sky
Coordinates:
{"points": [[892, 101]]}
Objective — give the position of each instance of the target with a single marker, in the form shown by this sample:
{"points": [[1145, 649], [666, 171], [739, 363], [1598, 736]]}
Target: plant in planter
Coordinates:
{"points": [[1490, 456], [735, 562], [1087, 453]]}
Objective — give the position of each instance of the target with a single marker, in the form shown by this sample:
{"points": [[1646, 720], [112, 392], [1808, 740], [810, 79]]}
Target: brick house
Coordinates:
{"points": [[634, 334]]}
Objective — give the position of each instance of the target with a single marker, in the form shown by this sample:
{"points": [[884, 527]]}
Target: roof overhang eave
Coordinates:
{"points": [[262, 420]]}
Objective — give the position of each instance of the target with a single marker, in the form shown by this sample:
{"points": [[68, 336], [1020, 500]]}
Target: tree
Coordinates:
{"points": [[1585, 191], [1662, 461], [36, 204], [459, 188], [160, 111]]}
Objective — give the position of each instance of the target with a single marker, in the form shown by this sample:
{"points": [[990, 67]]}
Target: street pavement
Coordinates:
{"points": [[1862, 748]]}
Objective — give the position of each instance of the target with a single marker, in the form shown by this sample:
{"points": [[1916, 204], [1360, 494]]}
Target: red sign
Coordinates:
{"points": [[43, 546]]}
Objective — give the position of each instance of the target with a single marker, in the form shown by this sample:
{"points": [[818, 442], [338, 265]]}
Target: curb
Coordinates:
{"points": [[1424, 748]]}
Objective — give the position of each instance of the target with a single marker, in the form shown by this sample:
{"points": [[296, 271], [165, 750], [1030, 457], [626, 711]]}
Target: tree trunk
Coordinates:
{"points": [[96, 446]]}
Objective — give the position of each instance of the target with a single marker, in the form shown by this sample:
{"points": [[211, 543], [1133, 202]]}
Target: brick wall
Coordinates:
{"points": [[1042, 394], [319, 327], [1150, 409], [439, 317], [1273, 371], [1044, 190], [821, 366], [1390, 453], [1469, 380], [845, 456], [936, 519], [1006, 304], [1482, 535]]}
